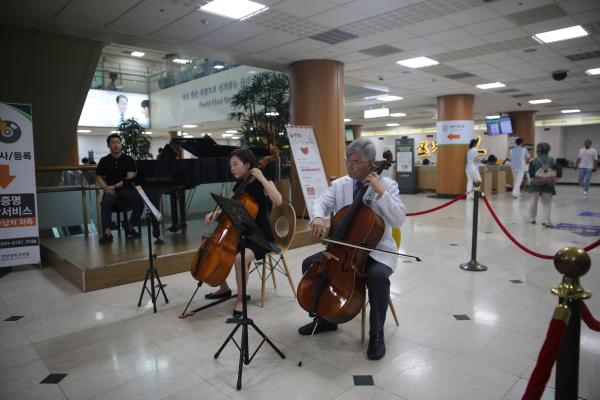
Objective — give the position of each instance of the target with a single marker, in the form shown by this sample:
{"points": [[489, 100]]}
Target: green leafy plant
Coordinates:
{"points": [[263, 107], [135, 142]]}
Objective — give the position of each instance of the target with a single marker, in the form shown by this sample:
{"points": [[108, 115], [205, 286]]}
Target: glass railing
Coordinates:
{"points": [[137, 79]]}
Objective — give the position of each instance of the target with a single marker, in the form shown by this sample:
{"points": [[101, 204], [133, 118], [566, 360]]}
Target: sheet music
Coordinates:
{"points": [[149, 204]]}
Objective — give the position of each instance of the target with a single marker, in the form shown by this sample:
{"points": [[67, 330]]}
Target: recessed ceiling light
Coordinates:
{"points": [[388, 97], [397, 115], [181, 61], [593, 71], [392, 124], [540, 101], [235, 9], [560, 34], [84, 131], [189, 126], [114, 131], [570, 111], [227, 135], [272, 114], [251, 72], [418, 62], [147, 132], [231, 131], [492, 85], [347, 120], [492, 117], [235, 137], [138, 54], [218, 66], [376, 113]]}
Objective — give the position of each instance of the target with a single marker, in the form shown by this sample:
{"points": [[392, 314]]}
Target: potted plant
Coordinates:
{"points": [[263, 107], [135, 142]]}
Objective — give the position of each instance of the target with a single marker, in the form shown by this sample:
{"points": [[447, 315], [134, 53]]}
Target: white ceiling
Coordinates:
{"points": [[489, 39]]}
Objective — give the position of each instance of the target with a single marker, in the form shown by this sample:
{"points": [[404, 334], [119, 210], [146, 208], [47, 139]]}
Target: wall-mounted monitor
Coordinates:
{"points": [[107, 108], [349, 134], [499, 126]]}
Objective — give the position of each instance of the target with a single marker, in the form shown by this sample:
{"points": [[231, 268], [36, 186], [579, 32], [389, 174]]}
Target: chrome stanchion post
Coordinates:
{"points": [[473, 264], [572, 262]]}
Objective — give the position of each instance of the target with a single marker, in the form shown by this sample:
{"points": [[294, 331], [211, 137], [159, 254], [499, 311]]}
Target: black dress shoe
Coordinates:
{"points": [[106, 239], [237, 314], [376, 349], [323, 326], [218, 295]]}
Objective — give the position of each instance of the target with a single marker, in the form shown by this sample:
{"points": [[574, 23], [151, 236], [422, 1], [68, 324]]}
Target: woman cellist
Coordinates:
{"points": [[263, 191], [383, 198]]}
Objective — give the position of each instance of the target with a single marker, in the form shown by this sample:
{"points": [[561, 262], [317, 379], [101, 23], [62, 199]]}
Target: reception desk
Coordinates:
{"points": [[427, 178], [498, 178]]}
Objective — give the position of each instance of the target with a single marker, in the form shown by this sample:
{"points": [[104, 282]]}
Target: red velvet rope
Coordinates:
{"points": [[592, 246], [507, 233], [588, 318], [546, 359], [412, 214]]}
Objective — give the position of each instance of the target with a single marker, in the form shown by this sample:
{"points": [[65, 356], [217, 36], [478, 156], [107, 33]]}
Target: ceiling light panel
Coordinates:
{"points": [[234, 9], [558, 35]]}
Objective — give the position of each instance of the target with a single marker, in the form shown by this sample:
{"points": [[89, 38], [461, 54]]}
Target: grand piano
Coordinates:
{"points": [[174, 176]]}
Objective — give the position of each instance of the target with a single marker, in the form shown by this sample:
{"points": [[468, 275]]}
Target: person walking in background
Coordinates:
{"points": [[587, 162], [518, 161], [472, 168], [543, 172]]}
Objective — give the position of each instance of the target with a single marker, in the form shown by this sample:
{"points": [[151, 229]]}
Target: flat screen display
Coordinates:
{"points": [[349, 135], [107, 108], [499, 126]]}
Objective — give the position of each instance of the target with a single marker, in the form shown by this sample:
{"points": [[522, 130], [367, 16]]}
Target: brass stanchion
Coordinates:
{"points": [[473, 264], [572, 262]]}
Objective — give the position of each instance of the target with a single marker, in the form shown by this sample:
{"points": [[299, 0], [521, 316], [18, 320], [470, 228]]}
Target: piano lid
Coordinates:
{"points": [[207, 147]]}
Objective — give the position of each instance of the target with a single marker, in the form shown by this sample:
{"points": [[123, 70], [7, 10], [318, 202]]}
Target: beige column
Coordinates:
{"points": [[451, 158], [523, 124], [317, 99]]}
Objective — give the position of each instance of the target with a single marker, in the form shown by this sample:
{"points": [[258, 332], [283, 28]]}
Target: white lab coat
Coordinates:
{"points": [[389, 207]]}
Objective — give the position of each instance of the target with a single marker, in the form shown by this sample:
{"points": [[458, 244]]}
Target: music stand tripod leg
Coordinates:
{"points": [[244, 321], [151, 271]]}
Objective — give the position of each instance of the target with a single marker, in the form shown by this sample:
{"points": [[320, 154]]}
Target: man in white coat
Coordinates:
{"points": [[384, 198]]}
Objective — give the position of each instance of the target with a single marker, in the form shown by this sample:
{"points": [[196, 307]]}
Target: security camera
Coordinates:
{"points": [[519, 104], [380, 77], [559, 75]]}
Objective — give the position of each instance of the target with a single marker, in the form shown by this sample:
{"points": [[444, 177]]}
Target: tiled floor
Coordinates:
{"points": [[110, 349]]}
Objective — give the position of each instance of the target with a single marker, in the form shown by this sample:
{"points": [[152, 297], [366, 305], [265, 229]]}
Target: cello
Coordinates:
{"points": [[334, 286], [214, 259]]}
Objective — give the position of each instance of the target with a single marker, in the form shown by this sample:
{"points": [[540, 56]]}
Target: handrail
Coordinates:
{"points": [[66, 168], [59, 189]]}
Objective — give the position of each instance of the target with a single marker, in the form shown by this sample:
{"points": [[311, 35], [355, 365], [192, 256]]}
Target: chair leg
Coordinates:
{"points": [[393, 310], [263, 278], [287, 273], [126, 222], [119, 224], [363, 315], [272, 272]]}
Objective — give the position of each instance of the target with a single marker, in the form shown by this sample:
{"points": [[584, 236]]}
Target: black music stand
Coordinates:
{"points": [[243, 222], [151, 272]]}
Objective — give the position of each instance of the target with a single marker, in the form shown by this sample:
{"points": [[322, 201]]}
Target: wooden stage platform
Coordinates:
{"points": [[88, 265]]}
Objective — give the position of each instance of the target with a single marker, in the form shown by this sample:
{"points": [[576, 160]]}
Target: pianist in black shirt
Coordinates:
{"points": [[243, 163], [115, 174]]}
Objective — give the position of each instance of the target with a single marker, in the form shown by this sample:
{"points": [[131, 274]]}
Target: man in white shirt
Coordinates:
{"points": [[384, 198], [518, 164], [587, 161]]}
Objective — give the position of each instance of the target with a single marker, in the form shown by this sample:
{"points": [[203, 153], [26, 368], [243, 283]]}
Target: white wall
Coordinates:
{"points": [[576, 135], [555, 137]]}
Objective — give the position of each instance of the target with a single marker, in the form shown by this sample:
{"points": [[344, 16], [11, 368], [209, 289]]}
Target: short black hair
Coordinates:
{"points": [[114, 135], [123, 96], [519, 141], [472, 143], [84, 160], [145, 103]]}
